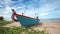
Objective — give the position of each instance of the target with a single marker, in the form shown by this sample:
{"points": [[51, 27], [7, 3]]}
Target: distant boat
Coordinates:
{"points": [[26, 21]]}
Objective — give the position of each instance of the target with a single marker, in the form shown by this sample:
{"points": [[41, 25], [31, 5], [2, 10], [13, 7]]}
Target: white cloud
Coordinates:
{"points": [[6, 10], [30, 13], [47, 7], [44, 9], [0, 14], [19, 7], [43, 14], [5, 2]]}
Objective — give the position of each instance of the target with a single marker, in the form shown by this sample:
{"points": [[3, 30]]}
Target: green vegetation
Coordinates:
{"points": [[19, 30], [4, 22]]}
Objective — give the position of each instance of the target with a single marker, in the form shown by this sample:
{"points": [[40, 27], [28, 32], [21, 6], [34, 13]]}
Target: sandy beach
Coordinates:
{"points": [[48, 26]]}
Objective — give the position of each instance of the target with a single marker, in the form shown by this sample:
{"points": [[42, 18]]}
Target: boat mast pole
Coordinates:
{"points": [[24, 10], [35, 14]]}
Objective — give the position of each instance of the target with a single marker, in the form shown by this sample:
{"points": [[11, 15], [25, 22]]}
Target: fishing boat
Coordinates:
{"points": [[26, 21]]}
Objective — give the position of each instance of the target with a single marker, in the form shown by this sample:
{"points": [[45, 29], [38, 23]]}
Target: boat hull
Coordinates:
{"points": [[25, 22]]}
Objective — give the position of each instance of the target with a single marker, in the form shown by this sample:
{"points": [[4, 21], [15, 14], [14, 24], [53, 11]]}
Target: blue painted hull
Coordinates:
{"points": [[25, 22]]}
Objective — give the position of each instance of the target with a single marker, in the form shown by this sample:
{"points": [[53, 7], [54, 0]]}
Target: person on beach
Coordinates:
{"points": [[13, 16]]}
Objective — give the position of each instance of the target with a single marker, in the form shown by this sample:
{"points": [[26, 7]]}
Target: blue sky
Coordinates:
{"points": [[45, 9]]}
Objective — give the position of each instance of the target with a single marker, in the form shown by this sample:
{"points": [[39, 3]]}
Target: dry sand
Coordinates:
{"points": [[15, 24], [51, 28], [48, 27]]}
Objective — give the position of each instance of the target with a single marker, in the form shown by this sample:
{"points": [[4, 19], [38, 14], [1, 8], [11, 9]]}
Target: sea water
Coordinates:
{"points": [[50, 21]]}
